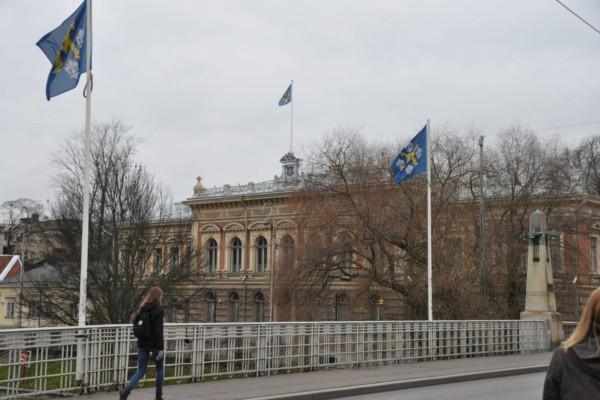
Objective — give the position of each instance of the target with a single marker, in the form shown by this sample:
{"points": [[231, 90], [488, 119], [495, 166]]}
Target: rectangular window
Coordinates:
{"points": [[557, 253], [174, 258], [32, 311], [158, 260], [74, 311], [188, 258], [10, 308], [141, 264]]}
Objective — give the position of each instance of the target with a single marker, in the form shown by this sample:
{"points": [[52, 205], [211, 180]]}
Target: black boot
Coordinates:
{"points": [[158, 397], [123, 394]]}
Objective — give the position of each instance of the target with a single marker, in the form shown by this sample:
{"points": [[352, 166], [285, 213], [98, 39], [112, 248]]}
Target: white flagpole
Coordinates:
{"points": [[86, 170], [292, 118], [429, 252], [86, 196]]}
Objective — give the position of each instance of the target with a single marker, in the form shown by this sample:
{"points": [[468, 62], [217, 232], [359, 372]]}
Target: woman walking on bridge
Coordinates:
{"points": [[148, 328], [574, 371]]}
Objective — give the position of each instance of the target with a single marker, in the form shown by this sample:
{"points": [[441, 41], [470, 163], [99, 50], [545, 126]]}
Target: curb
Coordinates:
{"points": [[334, 393]]}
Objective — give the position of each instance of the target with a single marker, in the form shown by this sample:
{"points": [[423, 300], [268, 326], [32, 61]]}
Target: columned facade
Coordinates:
{"points": [[240, 235]]}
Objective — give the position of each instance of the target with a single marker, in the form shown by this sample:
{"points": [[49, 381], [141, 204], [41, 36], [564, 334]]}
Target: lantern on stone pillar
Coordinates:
{"points": [[540, 300]]}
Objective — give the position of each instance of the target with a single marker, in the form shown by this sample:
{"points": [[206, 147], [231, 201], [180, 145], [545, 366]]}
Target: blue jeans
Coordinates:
{"points": [[143, 356]]}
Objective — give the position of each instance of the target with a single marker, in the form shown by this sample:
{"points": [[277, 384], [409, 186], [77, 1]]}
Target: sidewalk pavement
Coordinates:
{"points": [[332, 383]]}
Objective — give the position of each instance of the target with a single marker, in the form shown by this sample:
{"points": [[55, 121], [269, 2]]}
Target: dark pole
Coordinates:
{"points": [[481, 221], [21, 273], [576, 256], [40, 311]]}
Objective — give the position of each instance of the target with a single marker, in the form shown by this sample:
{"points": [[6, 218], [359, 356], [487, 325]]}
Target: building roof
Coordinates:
{"points": [[272, 186], [33, 273], [10, 266]]}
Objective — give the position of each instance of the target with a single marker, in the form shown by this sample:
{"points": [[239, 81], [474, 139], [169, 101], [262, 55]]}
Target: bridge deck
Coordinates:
{"points": [[255, 387]]}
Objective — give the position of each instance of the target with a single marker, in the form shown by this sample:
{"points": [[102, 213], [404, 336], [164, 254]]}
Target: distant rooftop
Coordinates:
{"points": [[272, 186], [290, 180]]}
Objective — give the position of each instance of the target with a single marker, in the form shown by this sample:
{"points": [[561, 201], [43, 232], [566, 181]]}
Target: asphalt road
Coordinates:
{"points": [[519, 387]]}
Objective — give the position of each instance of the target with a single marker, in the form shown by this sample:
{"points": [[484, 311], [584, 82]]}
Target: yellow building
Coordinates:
{"points": [[12, 313]]}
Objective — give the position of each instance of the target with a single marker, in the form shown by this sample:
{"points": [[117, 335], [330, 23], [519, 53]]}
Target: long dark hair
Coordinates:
{"points": [[154, 295], [588, 324]]}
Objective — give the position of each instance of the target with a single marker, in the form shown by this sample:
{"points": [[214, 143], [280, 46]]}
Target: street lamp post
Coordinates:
{"points": [[271, 262], [21, 275], [272, 272], [481, 223], [576, 256]]}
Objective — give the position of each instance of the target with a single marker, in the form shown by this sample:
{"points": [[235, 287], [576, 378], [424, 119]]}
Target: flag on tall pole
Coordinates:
{"points": [[415, 159], [285, 100], [66, 49], [287, 96], [412, 159], [69, 49]]}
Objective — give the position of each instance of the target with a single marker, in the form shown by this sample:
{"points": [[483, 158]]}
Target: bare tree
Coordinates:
{"points": [[586, 162], [134, 240], [360, 226], [522, 175]]}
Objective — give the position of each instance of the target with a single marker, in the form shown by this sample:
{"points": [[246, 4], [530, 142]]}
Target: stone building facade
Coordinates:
{"points": [[239, 234]]}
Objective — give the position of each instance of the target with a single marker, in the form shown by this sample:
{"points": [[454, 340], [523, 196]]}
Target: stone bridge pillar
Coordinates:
{"points": [[540, 300]]}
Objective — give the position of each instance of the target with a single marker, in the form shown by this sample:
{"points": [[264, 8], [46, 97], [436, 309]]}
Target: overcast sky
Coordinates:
{"points": [[199, 81]]}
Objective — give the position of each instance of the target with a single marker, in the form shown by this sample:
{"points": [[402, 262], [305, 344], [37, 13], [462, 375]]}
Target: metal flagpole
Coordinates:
{"points": [[429, 252], [86, 190], [292, 117], [86, 171]]}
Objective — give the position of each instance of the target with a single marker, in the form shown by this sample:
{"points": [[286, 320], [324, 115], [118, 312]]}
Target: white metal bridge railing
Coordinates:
{"points": [[568, 328], [43, 360]]}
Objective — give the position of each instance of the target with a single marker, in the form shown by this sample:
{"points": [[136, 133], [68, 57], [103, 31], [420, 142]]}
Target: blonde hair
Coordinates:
{"points": [[588, 324], [154, 295]]}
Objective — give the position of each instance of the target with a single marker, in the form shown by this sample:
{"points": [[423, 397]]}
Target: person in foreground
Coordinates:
{"points": [[148, 328], [574, 371]]}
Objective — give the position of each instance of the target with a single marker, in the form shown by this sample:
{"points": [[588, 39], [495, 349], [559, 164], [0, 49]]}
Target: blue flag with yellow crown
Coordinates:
{"points": [[412, 159], [66, 49]]}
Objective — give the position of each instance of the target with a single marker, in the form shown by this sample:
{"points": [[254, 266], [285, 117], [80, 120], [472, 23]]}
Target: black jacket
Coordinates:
{"points": [[574, 374], [155, 341]]}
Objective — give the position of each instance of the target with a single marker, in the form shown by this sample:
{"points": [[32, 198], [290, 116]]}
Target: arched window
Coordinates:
{"points": [[261, 254], [211, 256], [287, 255], [259, 301], [211, 307], [235, 253], [234, 307], [341, 307], [375, 305]]}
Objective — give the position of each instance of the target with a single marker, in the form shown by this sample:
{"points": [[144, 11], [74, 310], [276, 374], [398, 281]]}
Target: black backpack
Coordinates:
{"points": [[142, 325]]}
